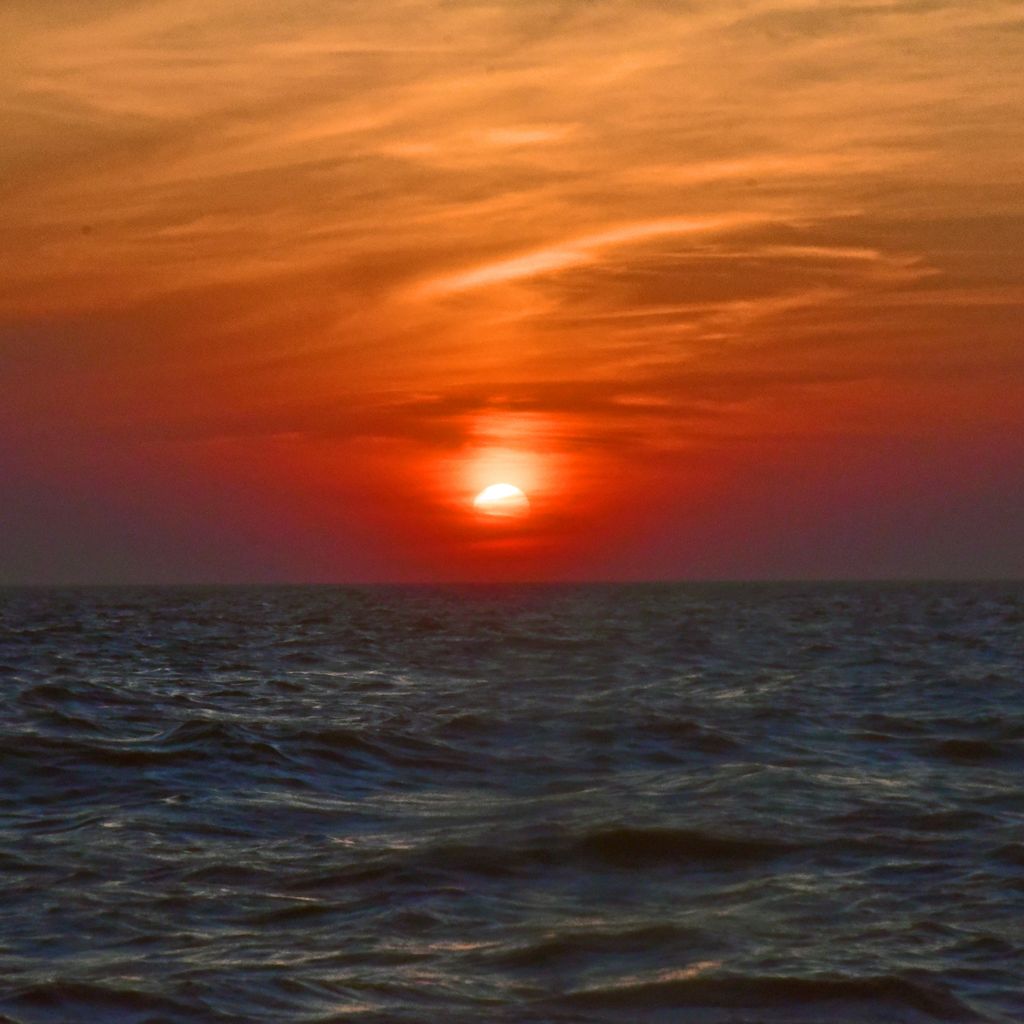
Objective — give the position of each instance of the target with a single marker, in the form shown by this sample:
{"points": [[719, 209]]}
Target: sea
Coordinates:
{"points": [[779, 803]]}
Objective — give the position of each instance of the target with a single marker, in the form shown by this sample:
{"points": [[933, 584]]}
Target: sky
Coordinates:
{"points": [[729, 289]]}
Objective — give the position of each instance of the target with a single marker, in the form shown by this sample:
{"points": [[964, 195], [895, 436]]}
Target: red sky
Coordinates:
{"points": [[731, 288]]}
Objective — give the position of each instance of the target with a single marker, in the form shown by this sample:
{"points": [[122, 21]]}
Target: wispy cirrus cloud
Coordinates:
{"points": [[577, 252]]}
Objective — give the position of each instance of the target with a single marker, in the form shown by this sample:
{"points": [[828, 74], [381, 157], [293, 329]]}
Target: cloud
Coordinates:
{"points": [[579, 251]]}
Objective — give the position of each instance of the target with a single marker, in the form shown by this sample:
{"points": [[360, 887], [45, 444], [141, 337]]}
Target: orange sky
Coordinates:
{"points": [[729, 287]]}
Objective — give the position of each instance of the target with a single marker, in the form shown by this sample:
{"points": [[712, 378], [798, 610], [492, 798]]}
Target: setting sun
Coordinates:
{"points": [[502, 500]]}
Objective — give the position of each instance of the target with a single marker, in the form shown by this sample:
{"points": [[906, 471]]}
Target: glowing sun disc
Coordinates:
{"points": [[502, 500]]}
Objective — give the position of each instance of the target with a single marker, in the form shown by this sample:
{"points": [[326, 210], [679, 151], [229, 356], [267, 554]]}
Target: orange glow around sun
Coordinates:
{"points": [[507, 468]]}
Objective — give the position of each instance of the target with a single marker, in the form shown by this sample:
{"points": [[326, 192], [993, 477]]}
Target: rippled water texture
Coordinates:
{"points": [[614, 803]]}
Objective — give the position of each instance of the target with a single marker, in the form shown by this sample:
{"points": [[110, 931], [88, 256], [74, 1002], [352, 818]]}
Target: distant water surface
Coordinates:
{"points": [[692, 803]]}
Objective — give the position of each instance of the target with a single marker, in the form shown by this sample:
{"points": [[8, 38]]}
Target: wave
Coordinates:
{"points": [[202, 739], [184, 742], [553, 949], [629, 847], [879, 996], [970, 751], [1010, 853], [392, 747], [689, 735], [612, 849], [80, 1000], [619, 848]]}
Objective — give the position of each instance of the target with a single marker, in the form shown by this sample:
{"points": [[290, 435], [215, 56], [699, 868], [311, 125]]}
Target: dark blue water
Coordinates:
{"points": [[689, 803]]}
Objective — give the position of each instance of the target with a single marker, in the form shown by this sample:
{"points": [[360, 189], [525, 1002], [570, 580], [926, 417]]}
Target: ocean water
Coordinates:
{"points": [[680, 803]]}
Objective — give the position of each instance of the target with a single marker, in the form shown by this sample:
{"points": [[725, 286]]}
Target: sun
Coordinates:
{"points": [[502, 500]]}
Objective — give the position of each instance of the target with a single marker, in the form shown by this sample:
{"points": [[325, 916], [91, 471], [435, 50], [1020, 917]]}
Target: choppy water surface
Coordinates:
{"points": [[614, 803]]}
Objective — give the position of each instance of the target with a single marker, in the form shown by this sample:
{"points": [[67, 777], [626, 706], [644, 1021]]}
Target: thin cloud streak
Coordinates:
{"points": [[579, 252]]}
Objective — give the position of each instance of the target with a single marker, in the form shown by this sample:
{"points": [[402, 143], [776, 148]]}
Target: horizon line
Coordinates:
{"points": [[694, 581]]}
